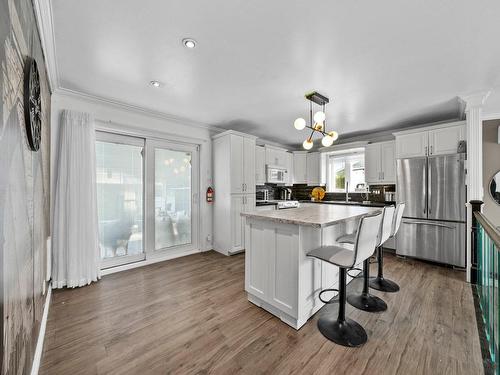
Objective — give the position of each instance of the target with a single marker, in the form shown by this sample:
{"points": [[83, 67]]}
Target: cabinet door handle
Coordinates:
{"points": [[425, 151], [431, 150]]}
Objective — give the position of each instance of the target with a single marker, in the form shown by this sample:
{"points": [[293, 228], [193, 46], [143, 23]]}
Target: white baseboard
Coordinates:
{"points": [[152, 260], [41, 335]]}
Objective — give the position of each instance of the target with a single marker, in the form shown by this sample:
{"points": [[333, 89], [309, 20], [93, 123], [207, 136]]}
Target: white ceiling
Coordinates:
{"points": [[384, 64]]}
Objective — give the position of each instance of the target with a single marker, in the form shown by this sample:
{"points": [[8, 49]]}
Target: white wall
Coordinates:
{"points": [[125, 118]]}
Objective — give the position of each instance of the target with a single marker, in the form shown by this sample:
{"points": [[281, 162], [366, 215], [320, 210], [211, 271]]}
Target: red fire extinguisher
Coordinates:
{"points": [[210, 194]]}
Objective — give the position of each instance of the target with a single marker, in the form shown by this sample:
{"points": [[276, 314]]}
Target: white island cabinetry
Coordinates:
{"points": [[279, 277]]}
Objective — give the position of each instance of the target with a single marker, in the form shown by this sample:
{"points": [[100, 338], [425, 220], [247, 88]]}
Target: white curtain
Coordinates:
{"points": [[76, 257]]}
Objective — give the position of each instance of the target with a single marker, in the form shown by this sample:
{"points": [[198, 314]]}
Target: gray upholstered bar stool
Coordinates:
{"points": [[366, 301], [342, 330], [379, 282]]}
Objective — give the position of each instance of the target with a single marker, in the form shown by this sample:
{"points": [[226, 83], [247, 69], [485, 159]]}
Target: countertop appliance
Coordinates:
{"points": [[262, 195], [275, 174], [286, 194], [433, 225], [287, 204]]}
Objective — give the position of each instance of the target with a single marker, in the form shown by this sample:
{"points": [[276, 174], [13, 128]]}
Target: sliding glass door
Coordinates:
{"points": [[175, 190], [120, 192], [147, 193]]}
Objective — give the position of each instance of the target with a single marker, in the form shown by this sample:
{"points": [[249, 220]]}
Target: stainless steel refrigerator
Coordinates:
{"points": [[433, 225]]}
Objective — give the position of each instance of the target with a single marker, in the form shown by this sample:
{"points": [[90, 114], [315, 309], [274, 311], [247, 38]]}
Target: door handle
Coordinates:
{"points": [[425, 150], [431, 224], [424, 178], [431, 150], [429, 190]]}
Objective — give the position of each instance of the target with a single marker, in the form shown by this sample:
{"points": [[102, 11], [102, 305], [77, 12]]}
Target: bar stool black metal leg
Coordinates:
{"points": [[342, 331], [365, 301], [379, 282]]}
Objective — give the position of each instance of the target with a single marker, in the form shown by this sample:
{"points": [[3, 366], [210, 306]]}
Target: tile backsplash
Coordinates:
{"points": [[303, 192]]}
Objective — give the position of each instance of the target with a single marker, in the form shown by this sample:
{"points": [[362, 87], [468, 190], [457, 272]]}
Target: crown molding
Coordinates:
{"points": [[135, 109], [475, 100], [44, 19], [490, 116]]}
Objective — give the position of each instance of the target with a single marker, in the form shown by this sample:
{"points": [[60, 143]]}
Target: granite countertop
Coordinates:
{"points": [[315, 215], [354, 203]]}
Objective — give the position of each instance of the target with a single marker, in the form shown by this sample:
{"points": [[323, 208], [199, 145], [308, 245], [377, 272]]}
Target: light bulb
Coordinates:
{"points": [[319, 116], [300, 123], [334, 135], [327, 141], [308, 144]]}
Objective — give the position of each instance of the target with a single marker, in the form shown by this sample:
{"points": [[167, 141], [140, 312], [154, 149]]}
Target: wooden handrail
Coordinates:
{"points": [[492, 232]]}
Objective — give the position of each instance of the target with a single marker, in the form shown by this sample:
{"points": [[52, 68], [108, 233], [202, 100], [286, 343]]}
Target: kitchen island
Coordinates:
{"points": [[279, 277]]}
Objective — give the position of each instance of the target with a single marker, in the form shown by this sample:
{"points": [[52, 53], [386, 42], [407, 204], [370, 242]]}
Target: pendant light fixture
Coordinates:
{"points": [[317, 122]]}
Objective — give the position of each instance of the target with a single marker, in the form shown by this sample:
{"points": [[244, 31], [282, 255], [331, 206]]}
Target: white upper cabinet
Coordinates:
{"points": [[241, 164], [411, 145], [445, 140], [436, 140], [249, 165], [372, 163], [289, 168], [276, 156], [380, 163], [388, 161], [300, 167], [260, 165], [236, 162], [313, 166]]}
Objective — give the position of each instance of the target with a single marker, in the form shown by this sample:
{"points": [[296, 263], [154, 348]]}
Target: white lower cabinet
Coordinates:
{"points": [[239, 203], [283, 270]]}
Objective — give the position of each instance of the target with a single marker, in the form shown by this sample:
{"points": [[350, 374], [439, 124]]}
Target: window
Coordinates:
{"points": [[346, 169]]}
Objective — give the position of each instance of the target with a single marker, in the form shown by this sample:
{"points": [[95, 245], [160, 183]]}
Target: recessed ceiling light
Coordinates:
{"points": [[189, 43], [155, 83]]}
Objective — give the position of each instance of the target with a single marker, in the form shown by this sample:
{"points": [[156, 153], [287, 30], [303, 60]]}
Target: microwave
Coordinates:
{"points": [[276, 175]]}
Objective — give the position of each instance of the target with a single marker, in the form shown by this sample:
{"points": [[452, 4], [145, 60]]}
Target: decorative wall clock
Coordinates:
{"points": [[32, 104]]}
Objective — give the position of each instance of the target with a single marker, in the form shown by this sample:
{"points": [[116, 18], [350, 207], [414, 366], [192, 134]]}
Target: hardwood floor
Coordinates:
{"points": [[191, 315]]}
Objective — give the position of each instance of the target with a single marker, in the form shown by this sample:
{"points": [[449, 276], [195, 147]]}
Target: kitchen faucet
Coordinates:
{"points": [[347, 191]]}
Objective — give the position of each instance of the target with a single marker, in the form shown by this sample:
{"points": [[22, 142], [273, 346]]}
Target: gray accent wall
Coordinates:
{"points": [[491, 165], [24, 192]]}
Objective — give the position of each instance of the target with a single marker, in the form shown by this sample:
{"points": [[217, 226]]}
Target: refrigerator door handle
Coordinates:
{"points": [[427, 223], [424, 195], [429, 190]]}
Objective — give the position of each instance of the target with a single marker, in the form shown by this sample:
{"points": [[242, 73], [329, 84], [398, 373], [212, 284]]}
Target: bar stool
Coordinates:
{"points": [[379, 282], [342, 330], [366, 301]]}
